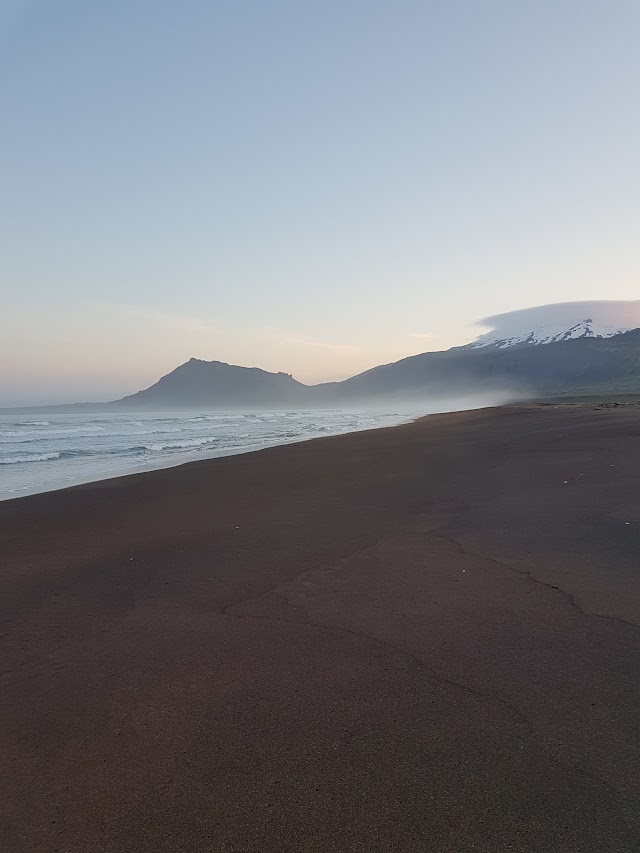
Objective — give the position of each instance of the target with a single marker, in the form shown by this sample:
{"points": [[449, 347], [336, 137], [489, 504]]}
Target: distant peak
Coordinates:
{"points": [[549, 324]]}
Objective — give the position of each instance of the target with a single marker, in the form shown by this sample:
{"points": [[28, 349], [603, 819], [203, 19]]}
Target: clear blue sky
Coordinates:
{"points": [[315, 187]]}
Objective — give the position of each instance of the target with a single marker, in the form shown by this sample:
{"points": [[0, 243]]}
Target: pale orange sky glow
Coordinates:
{"points": [[211, 185]]}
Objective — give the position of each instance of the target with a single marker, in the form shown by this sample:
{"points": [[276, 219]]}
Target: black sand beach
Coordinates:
{"points": [[424, 638]]}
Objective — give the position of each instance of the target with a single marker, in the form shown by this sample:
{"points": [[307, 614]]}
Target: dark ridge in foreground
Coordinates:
{"points": [[419, 638]]}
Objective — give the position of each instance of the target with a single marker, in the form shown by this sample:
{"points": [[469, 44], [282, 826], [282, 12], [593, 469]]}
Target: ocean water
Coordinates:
{"points": [[47, 452]]}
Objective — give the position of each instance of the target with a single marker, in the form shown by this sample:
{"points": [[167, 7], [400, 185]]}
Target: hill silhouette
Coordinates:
{"points": [[582, 366]]}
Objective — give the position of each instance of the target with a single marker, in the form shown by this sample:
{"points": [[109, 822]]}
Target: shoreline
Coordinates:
{"points": [[385, 420], [202, 456], [415, 637]]}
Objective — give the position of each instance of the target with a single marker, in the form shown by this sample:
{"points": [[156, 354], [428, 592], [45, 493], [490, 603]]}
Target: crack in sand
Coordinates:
{"points": [[331, 562], [415, 660], [322, 564], [425, 668], [530, 576], [408, 655]]}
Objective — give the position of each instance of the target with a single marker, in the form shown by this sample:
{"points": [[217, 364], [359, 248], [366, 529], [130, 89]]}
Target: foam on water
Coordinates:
{"points": [[33, 457], [41, 455], [179, 445]]}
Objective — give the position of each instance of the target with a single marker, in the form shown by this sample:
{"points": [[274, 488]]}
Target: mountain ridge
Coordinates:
{"points": [[540, 336], [192, 384], [571, 366], [582, 364], [586, 364]]}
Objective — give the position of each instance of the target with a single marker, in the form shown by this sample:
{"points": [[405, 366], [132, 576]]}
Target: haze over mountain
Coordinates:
{"points": [[587, 364], [581, 366], [571, 348], [585, 348]]}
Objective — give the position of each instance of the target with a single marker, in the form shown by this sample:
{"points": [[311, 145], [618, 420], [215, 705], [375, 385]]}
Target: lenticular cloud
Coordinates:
{"points": [[601, 318]]}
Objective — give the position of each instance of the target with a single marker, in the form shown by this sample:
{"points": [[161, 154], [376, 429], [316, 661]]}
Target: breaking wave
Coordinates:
{"points": [[177, 445], [69, 449], [32, 457]]}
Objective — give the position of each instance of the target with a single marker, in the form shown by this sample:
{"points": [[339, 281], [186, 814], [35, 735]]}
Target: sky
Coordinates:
{"points": [[309, 187]]}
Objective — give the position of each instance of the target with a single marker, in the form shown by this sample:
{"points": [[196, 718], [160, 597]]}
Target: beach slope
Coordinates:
{"points": [[417, 638]]}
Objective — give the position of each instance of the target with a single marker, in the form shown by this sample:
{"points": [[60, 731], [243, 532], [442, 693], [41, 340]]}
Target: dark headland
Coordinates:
{"points": [[423, 638]]}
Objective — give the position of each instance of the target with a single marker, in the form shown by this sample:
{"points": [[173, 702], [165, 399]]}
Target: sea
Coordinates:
{"points": [[46, 452]]}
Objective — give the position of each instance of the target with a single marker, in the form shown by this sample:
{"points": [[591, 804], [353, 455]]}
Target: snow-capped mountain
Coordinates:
{"points": [[586, 328], [547, 324]]}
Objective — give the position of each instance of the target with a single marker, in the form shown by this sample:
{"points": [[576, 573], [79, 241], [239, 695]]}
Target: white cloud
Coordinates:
{"points": [[617, 313]]}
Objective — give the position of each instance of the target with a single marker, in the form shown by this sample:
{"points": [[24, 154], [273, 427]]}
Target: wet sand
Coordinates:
{"points": [[424, 638]]}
